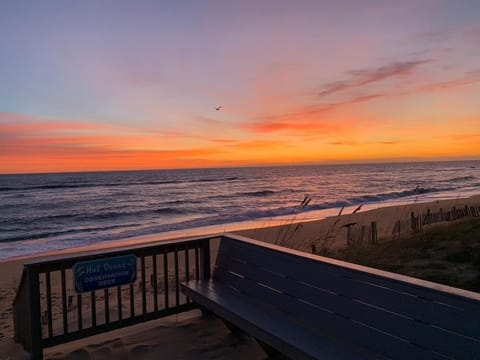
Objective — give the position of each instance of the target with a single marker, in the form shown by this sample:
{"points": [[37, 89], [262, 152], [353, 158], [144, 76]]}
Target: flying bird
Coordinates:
{"points": [[218, 108]]}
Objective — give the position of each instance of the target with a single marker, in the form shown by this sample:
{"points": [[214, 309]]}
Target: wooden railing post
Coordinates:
{"points": [[205, 259], [35, 327], [20, 311]]}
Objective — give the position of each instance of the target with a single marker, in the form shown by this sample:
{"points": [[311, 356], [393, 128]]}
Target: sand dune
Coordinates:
{"points": [[332, 232]]}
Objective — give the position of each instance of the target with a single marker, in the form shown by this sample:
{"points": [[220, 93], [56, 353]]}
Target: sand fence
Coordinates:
{"points": [[366, 228]]}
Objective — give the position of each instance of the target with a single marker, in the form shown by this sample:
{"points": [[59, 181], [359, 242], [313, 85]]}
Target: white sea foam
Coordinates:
{"points": [[47, 212]]}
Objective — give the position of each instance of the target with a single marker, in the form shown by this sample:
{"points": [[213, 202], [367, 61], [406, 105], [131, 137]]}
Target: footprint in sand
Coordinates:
{"points": [[102, 353], [141, 350], [118, 343], [80, 354], [115, 343]]}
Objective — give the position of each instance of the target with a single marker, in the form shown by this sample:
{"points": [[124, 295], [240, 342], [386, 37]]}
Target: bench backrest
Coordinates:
{"points": [[381, 314]]}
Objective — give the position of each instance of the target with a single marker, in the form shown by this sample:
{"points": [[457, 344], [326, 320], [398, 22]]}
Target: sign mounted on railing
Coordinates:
{"points": [[104, 273]]}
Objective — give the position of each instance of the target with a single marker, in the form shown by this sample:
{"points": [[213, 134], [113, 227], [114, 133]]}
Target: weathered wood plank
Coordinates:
{"points": [[264, 322], [396, 325], [323, 321], [360, 287], [277, 331], [405, 319]]}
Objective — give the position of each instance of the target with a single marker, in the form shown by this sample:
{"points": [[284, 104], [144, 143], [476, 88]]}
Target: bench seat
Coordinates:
{"points": [[306, 306], [267, 325]]}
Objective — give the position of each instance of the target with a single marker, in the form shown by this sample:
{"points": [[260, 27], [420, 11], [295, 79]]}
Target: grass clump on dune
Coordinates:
{"points": [[447, 254]]}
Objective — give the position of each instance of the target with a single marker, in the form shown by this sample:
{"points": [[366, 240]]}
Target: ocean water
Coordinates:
{"points": [[44, 212]]}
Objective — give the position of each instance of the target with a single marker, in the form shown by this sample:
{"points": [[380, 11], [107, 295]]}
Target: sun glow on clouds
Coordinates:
{"points": [[311, 83]]}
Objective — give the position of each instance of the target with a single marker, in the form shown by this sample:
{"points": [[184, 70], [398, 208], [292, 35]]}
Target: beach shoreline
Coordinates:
{"points": [[292, 233], [58, 211], [246, 227]]}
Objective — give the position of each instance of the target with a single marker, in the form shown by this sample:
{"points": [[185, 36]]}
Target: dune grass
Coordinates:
{"points": [[447, 254]]}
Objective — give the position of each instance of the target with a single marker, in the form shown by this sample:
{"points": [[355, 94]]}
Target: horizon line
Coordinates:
{"points": [[312, 163]]}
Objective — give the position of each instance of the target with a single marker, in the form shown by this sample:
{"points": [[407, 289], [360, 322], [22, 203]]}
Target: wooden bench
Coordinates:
{"points": [[307, 306]]}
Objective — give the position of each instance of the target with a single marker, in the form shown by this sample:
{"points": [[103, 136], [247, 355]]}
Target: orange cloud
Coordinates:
{"points": [[295, 127], [358, 143], [463, 137], [224, 141], [323, 118], [65, 155], [22, 124]]}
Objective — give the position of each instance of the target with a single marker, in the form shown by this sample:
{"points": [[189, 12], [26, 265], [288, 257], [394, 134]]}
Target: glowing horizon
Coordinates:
{"points": [[125, 85]]}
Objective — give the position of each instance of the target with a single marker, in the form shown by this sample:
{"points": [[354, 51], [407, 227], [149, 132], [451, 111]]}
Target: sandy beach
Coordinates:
{"points": [[331, 233], [191, 336]]}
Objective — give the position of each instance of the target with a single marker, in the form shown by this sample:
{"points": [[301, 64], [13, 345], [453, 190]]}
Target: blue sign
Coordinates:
{"points": [[104, 273]]}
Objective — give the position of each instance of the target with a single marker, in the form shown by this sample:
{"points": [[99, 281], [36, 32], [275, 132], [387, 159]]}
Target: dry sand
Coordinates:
{"points": [[186, 336], [191, 336], [332, 232]]}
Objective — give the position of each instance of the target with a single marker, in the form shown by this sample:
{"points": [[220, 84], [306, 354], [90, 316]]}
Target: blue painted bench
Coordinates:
{"points": [[306, 306]]}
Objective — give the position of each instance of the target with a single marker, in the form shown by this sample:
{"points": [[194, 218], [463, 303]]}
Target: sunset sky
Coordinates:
{"points": [[109, 85]]}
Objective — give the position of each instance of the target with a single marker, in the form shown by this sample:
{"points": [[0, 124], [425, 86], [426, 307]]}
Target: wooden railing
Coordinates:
{"points": [[48, 311]]}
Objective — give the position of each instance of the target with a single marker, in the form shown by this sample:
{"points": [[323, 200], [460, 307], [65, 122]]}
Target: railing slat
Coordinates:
{"points": [[205, 259], [187, 268], [93, 308], [155, 286], [49, 304], [64, 301], [197, 263], [187, 264], [144, 288], [177, 281], [106, 300], [119, 302], [132, 301], [79, 312], [165, 278]]}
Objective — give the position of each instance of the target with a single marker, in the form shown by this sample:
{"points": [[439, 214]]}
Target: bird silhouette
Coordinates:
{"points": [[218, 108]]}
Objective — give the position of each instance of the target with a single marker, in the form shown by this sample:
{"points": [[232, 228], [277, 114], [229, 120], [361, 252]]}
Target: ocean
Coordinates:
{"points": [[45, 212]]}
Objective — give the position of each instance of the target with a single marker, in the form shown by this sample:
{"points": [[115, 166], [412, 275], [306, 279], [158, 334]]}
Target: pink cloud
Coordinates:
{"points": [[472, 78], [360, 78], [15, 123]]}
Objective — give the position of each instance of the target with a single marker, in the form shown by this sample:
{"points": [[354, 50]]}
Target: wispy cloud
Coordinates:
{"points": [[473, 73], [306, 119], [360, 78], [92, 158], [21, 133], [446, 85], [224, 141], [320, 109], [469, 33], [345, 143], [15, 123], [363, 143], [294, 128], [315, 118], [464, 137]]}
